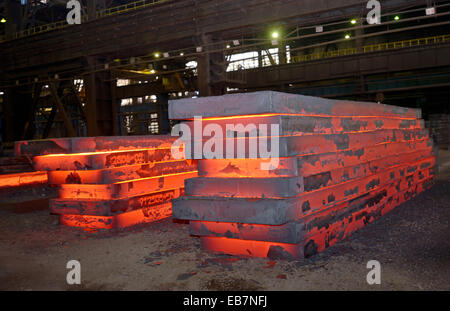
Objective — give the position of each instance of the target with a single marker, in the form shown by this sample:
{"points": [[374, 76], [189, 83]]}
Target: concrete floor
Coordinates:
{"points": [[411, 243]]}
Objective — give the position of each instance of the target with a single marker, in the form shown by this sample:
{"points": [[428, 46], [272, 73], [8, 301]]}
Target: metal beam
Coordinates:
{"points": [[62, 111], [349, 66], [29, 128], [99, 115]]}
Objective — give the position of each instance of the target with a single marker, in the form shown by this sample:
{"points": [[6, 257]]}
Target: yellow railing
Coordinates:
{"points": [[62, 24], [42, 29], [406, 43], [255, 61], [128, 7], [316, 56], [373, 48]]}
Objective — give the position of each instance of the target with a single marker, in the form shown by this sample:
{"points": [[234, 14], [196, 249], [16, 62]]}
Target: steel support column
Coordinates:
{"points": [[99, 114], [17, 102], [163, 115], [91, 9], [13, 17], [211, 69]]}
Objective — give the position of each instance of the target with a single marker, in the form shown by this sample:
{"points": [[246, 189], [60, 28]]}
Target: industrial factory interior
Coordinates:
{"points": [[208, 146]]}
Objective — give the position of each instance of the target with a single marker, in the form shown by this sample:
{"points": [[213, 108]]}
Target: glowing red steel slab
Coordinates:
{"points": [[308, 125], [310, 164], [323, 237], [287, 167], [245, 187], [91, 144], [278, 211], [290, 146], [249, 248], [112, 206], [314, 164], [268, 102], [232, 172], [22, 179], [100, 160], [123, 173], [132, 218], [335, 226], [297, 231], [341, 175], [125, 188]]}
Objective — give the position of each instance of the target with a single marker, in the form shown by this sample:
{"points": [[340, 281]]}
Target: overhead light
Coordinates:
{"points": [[153, 71], [430, 11], [397, 17], [156, 54], [199, 49], [275, 34], [353, 21], [181, 54], [3, 20], [347, 36], [228, 46]]}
